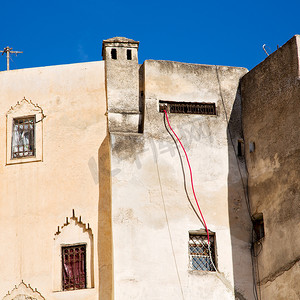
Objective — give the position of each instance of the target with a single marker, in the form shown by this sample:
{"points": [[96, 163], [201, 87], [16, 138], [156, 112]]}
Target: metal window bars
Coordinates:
{"points": [[200, 108], [74, 267], [200, 258], [23, 137]]}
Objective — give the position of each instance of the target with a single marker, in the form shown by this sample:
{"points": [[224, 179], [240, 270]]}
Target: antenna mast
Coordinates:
{"points": [[8, 50]]}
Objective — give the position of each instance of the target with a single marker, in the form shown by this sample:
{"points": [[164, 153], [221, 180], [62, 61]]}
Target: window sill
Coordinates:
{"points": [[79, 291], [24, 160], [201, 272]]}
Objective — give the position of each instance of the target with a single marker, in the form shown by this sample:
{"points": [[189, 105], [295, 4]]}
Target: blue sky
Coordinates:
{"points": [[206, 32]]}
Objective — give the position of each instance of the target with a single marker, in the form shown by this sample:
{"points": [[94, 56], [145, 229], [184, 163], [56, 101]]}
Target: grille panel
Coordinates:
{"points": [[199, 108]]}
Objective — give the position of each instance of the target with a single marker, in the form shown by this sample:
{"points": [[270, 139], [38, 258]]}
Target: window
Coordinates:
{"points": [[200, 108], [200, 256], [24, 133], [129, 55], [74, 267], [23, 137], [251, 147], [114, 53], [258, 226]]}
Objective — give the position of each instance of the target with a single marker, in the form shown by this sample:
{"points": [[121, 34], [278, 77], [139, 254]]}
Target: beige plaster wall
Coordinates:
{"points": [[151, 215], [270, 95], [36, 197]]}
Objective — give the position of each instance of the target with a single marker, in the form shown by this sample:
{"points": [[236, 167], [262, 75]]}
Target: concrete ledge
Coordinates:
{"points": [[121, 122]]}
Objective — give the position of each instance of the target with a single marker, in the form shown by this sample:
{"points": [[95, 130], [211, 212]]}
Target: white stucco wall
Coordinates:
{"points": [[151, 216]]}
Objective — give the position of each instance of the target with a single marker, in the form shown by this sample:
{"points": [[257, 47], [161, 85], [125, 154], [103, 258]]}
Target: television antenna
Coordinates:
{"points": [[264, 48], [9, 51]]}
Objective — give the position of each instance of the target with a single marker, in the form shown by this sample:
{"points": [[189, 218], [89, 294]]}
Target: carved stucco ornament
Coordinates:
{"points": [[24, 106], [23, 292]]}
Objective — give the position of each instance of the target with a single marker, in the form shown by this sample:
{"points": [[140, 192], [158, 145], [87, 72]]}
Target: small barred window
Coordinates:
{"points": [[200, 256], [74, 267], [23, 137], [199, 108]]}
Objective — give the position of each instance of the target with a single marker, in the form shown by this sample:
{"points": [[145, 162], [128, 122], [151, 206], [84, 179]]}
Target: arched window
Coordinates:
{"points": [[73, 256], [23, 292], [24, 133]]}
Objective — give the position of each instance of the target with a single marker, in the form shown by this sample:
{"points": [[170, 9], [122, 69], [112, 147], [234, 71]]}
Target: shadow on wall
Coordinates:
{"points": [[239, 217], [104, 223]]}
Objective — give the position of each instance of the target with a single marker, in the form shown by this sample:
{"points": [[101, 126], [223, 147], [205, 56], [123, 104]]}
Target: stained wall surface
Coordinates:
{"points": [[271, 93], [36, 197], [151, 214]]}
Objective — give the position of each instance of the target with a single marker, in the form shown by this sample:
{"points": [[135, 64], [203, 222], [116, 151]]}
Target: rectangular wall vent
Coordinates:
{"points": [[199, 108]]}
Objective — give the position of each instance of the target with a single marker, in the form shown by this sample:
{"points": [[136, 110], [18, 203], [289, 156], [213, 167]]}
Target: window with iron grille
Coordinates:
{"points": [[74, 267], [200, 256], [23, 137], [199, 108]]}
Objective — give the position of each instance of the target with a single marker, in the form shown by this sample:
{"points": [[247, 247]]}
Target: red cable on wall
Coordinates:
{"points": [[191, 175]]}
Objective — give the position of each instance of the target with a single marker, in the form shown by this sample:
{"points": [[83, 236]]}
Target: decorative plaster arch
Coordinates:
{"points": [[24, 106], [23, 292], [73, 232]]}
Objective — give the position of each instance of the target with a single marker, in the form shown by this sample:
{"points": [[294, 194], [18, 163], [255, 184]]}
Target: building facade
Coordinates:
{"points": [[270, 93], [100, 201]]}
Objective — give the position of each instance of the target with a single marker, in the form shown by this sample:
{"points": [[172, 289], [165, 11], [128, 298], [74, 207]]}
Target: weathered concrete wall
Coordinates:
{"points": [[270, 94], [36, 197], [151, 215]]}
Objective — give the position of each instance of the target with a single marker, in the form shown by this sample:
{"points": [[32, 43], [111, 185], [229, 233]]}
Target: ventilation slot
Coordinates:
{"points": [[114, 53], [129, 55]]}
